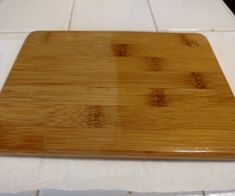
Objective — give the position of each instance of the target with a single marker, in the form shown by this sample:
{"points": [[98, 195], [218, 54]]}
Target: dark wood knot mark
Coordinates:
{"points": [[158, 98], [199, 80], [120, 49], [154, 63], [191, 43], [95, 116]]}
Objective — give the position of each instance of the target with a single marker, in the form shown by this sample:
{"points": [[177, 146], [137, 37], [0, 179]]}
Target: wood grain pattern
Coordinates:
{"points": [[117, 95]]}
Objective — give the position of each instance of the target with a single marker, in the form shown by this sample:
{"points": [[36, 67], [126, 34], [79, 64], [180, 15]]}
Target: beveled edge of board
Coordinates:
{"points": [[175, 156]]}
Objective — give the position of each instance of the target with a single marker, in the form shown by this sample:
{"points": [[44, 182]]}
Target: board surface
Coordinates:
{"points": [[117, 95]]}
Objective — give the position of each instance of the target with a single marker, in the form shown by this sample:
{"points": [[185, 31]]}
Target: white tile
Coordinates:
{"points": [[192, 15], [81, 193], [227, 193], [120, 15], [223, 44], [13, 36], [110, 193], [10, 44], [31, 15], [29, 193]]}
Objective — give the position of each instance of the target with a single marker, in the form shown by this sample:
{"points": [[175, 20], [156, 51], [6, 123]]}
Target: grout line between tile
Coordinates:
{"points": [[203, 193], [151, 11], [37, 193], [71, 15]]}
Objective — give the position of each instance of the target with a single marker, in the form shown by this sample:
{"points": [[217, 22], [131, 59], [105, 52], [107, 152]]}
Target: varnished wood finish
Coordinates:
{"points": [[117, 95]]}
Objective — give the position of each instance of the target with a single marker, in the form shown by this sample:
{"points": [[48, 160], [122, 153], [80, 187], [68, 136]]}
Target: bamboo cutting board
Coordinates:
{"points": [[117, 95]]}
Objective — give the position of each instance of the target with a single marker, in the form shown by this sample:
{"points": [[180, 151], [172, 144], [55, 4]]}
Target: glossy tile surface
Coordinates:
{"points": [[31, 15], [192, 15], [120, 15]]}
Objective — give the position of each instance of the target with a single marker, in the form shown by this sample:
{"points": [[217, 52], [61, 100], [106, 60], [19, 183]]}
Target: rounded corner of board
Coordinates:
{"points": [[201, 36], [34, 34]]}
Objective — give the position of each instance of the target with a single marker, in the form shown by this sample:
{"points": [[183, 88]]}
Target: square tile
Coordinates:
{"points": [[28, 193], [192, 15], [31, 15], [10, 44], [120, 15]]}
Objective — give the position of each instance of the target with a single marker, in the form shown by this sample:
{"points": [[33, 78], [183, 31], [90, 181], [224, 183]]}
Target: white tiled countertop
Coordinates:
{"points": [[19, 17]]}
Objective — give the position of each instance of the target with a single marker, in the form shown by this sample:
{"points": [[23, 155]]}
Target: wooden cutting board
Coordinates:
{"points": [[117, 95]]}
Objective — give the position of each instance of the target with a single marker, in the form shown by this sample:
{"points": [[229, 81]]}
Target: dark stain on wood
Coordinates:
{"points": [[191, 43], [119, 49], [154, 63], [199, 81], [158, 98]]}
